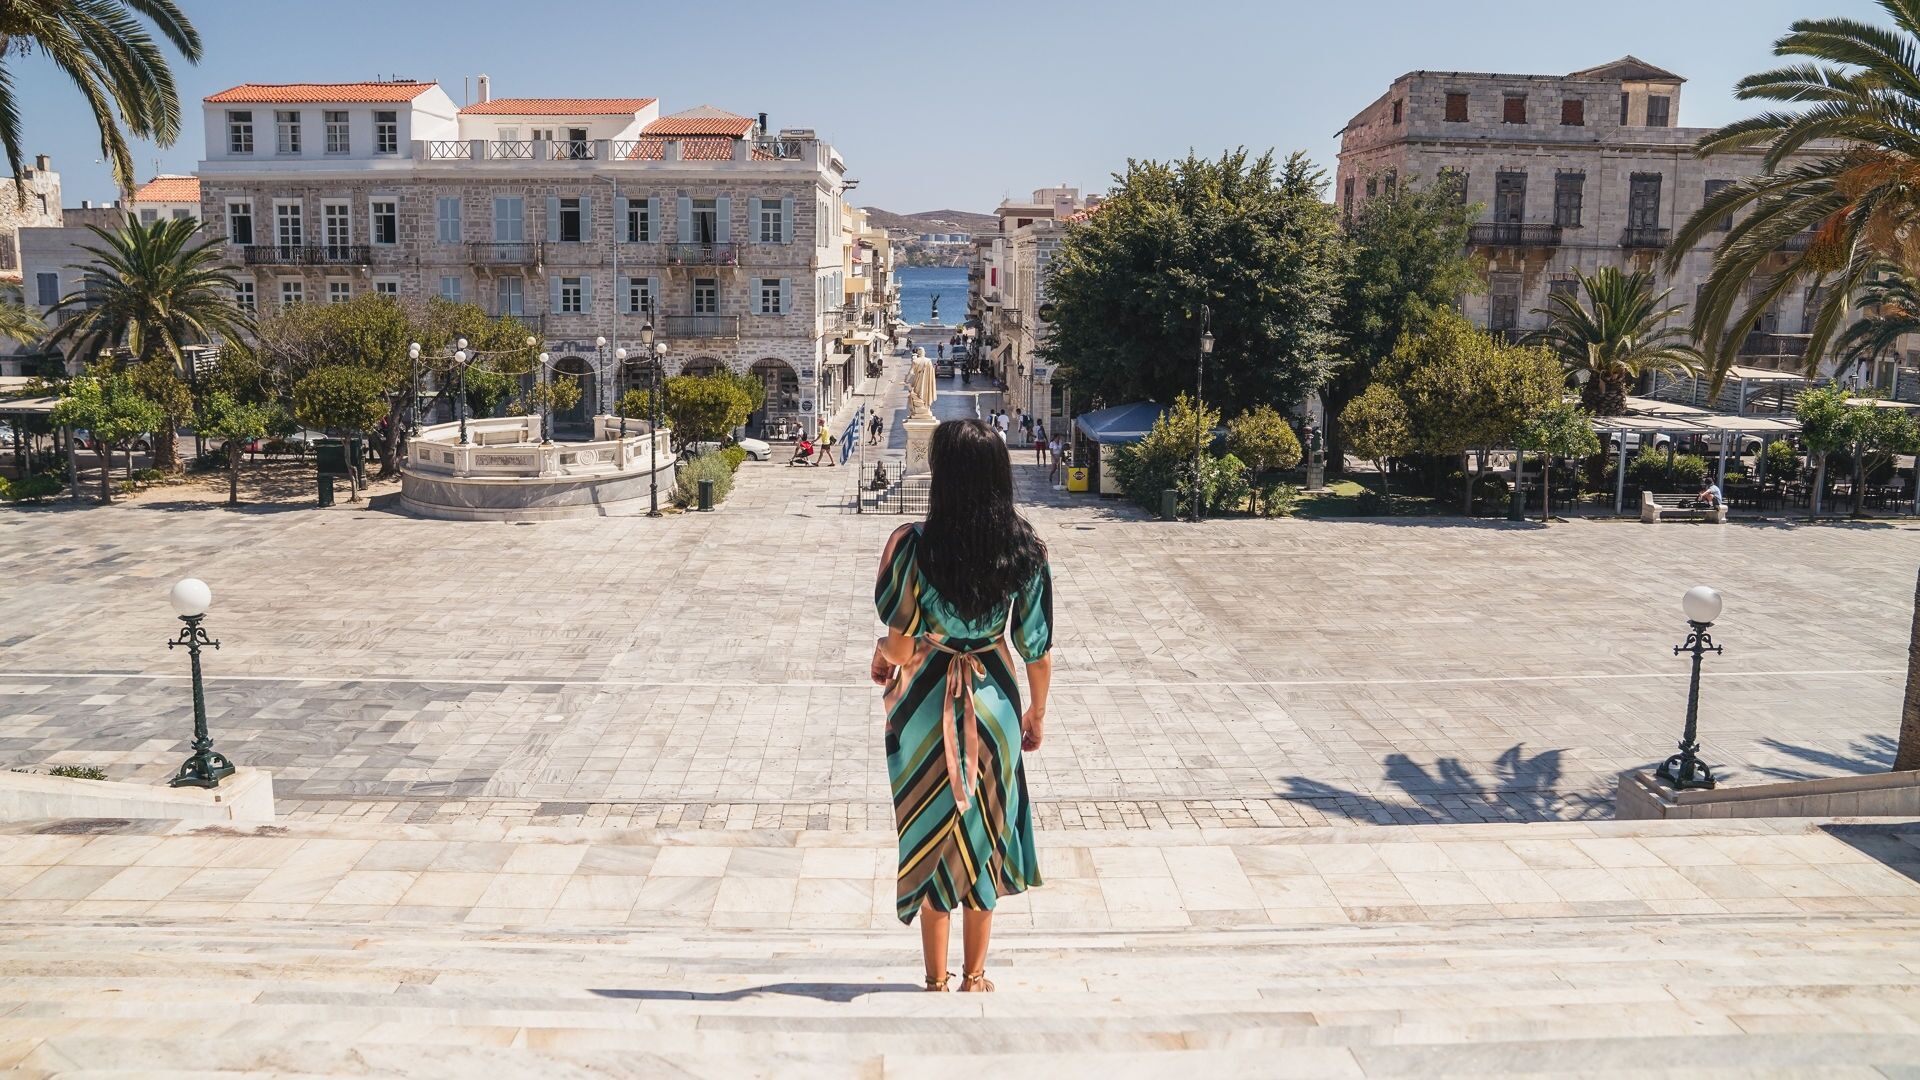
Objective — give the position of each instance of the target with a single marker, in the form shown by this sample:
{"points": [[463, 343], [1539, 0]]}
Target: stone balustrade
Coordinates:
{"points": [[507, 447]]}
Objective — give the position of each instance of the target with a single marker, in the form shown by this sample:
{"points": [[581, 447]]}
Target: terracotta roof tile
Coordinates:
{"points": [[319, 93], [169, 189], [558, 107], [729, 125]]}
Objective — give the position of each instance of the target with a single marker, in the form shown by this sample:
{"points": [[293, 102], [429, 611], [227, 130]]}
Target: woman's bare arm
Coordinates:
{"points": [[1033, 724]]}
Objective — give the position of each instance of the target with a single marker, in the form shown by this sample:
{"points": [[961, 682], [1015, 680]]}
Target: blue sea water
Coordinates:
{"points": [[919, 284]]}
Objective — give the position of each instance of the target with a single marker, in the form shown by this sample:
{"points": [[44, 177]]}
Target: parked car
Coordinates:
{"points": [[756, 449], [1633, 438], [141, 445]]}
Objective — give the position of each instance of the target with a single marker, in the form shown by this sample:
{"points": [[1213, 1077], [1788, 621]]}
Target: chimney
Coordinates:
{"points": [[43, 163], [486, 88], [86, 204], [763, 123]]}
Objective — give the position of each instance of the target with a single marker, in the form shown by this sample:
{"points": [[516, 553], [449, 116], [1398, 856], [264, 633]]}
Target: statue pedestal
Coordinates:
{"points": [[919, 439], [1316, 476]]}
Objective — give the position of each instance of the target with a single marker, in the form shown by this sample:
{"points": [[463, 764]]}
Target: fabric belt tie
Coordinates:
{"points": [[963, 752]]}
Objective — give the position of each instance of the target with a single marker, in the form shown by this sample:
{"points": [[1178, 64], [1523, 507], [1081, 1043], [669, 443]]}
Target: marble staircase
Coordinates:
{"points": [[158, 972]]}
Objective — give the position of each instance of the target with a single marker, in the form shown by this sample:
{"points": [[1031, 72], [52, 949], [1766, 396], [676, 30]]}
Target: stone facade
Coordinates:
{"points": [[1572, 172], [1008, 287], [41, 209]]}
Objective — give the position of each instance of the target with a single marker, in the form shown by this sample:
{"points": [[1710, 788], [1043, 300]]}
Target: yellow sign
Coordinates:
{"points": [[1076, 479]]}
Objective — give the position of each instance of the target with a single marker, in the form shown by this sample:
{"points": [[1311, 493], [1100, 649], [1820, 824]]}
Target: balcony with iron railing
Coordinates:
{"points": [[1513, 234], [497, 253], [701, 326], [1645, 238], [1762, 343], [646, 149], [308, 255], [701, 255]]}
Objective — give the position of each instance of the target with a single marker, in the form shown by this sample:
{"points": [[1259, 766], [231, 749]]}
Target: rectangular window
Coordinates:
{"points": [[1564, 286], [770, 296], [1396, 110], [706, 296], [291, 293], [447, 220], [639, 222], [386, 221], [240, 223], [287, 228], [243, 297], [450, 288], [1625, 100], [510, 296], [572, 229], [179, 214], [639, 296], [386, 132], [706, 221], [772, 227], [1715, 187], [1658, 108], [572, 296], [149, 216], [1510, 197], [1573, 112], [337, 141], [1456, 108], [1504, 302], [386, 286], [336, 226], [1456, 180], [1513, 109], [240, 131], [1643, 201], [286, 131], [339, 292], [509, 219], [1373, 186], [1568, 189], [48, 286]]}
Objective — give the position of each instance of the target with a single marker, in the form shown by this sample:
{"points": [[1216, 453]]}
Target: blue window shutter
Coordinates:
{"points": [[621, 295], [553, 295], [724, 208], [653, 218], [586, 220], [683, 211], [587, 305], [753, 220], [619, 219], [553, 219], [786, 220], [786, 295]]}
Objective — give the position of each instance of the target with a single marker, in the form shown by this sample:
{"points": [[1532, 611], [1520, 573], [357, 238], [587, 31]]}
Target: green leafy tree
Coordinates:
{"points": [[1822, 412], [1409, 259], [1563, 429], [1378, 430], [152, 290], [1466, 392], [1839, 168], [1620, 334], [111, 408], [112, 59], [1166, 457], [1263, 440], [702, 408], [348, 400], [234, 423], [1249, 237], [1874, 435]]}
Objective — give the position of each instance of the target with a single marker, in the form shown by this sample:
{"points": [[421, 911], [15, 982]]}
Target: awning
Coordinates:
{"points": [[1121, 424], [27, 406]]}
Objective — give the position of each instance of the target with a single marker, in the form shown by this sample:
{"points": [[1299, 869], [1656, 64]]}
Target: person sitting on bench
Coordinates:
{"points": [[1710, 497]]}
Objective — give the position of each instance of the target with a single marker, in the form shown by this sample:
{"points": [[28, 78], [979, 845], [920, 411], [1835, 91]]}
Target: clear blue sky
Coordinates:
{"points": [[951, 105]]}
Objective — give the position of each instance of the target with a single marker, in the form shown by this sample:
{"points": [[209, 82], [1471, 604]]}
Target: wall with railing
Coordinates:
{"points": [[508, 447]]}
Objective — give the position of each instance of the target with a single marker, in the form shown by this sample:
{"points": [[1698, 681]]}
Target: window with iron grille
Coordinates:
{"points": [[1456, 108], [1568, 189], [1513, 109]]}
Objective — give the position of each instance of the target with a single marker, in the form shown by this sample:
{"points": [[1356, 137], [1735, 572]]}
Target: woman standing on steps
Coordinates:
{"points": [[952, 590]]}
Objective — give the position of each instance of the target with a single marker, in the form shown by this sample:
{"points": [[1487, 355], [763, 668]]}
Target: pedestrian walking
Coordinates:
{"points": [[826, 448], [1040, 444], [1053, 457], [875, 428], [952, 590]]}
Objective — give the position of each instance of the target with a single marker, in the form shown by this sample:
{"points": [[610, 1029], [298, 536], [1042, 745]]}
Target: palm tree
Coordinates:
{"points": [[108, 53], [1890, 307], [1618, 336], [18, 322], [151, 290], [1840, 181]]}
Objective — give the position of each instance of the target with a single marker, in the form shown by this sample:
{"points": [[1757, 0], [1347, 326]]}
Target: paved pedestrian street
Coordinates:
{"points": [[709, 670]]}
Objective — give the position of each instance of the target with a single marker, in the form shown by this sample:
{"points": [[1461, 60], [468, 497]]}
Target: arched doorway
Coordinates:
{"points": [[702, 366], [576, 421], [637, 378], [782, 406]]}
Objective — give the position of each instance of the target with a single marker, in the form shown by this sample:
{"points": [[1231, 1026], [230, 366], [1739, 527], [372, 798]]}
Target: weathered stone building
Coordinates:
{"points": [[584, 218], [1574, 172], [1008, 292], [34, 204]]}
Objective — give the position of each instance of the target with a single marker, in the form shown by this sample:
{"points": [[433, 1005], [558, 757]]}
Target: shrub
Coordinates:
{"points": [[149, 476], [1648, 471], [31, 488], [1782, 462], [714, 467], [78, 772], [734, 456], [1690, 472], [1228, 484], [1279, 499], [1492, 490]]}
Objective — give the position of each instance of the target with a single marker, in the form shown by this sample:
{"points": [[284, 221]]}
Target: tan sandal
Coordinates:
{"points": [[938, 983], [975, 982]]}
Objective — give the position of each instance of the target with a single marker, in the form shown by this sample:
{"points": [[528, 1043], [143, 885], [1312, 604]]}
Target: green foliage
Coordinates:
{"points": [[1228, 485], [152, 289], [1248, 236], [1377, 428], [1648, 470], [734, 456], [31, 488], [78, 772], [559, 393], [1783, 462], [1562, 430], [230, 421], [1279, 499], [110, 407], [1263, 439], [1464, 390], [149, 476], [701, 408], [714, 467], [1165, 457], [1824, 425], [340, 399], [1621, 333]]}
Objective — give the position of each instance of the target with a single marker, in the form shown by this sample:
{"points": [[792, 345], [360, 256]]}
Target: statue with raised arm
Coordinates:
{"points": [[936, 310], [920, 387]]}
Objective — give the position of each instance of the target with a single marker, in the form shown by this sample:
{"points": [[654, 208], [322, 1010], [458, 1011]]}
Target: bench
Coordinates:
{"points": [[1657, 508]]}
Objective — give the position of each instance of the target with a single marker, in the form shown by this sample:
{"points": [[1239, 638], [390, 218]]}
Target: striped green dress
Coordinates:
{"points": [[953, 738]]}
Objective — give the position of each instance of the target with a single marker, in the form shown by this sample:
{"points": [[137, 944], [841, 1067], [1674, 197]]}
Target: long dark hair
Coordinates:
{"points": [[976, 550]]}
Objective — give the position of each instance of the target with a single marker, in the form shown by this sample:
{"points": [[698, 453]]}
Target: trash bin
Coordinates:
{"points": [[326, 489], [1169, 504], [706, 494], [1077, 479]]}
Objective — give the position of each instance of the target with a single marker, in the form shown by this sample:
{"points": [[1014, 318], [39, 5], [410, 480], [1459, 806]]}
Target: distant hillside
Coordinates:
{"points": [[932, 221]]}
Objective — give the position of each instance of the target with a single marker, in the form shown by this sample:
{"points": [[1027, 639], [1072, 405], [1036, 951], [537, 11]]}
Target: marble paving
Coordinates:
{"points": [[709, 670]]}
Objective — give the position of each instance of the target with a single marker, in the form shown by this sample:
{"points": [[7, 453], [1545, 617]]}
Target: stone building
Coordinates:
{"points": [[586, 218], [40, 189], [1008, 292], [1574, 172]]}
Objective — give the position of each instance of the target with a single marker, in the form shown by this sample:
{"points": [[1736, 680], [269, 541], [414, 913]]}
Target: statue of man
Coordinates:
{"points": [[920, 387]]}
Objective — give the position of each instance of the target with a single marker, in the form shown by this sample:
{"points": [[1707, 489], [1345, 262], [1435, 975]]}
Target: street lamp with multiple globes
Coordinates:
{"points": [[413, 389], [206, 767], [1199, 405], [1685, 770]]}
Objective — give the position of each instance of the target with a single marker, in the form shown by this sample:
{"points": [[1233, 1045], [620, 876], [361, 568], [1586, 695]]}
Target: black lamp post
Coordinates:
{"points": [[1199, 405], [460, 358], [207, 766], [413, 389], [657, 355], [1685, 770]]}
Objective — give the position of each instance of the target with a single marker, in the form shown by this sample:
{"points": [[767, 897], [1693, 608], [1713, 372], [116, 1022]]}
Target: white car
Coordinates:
{"points": [[756, 449]]}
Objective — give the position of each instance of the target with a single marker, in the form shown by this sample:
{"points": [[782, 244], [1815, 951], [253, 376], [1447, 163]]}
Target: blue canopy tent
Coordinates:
{"points": [[1120, 425]]}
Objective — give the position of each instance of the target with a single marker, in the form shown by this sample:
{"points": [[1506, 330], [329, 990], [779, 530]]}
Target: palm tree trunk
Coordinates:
{"points": [[1907, 754]]}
